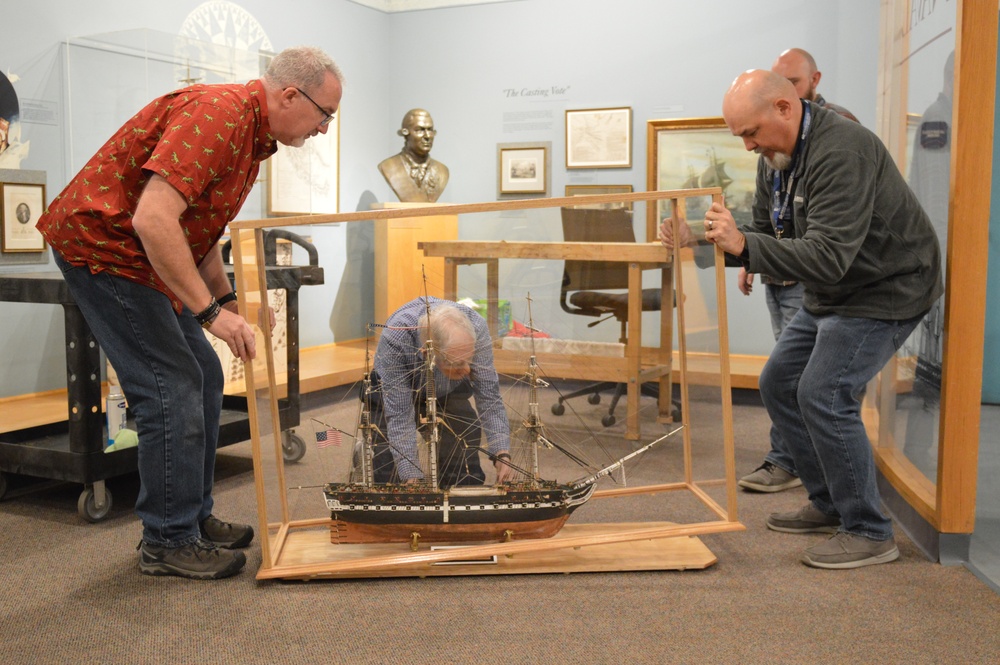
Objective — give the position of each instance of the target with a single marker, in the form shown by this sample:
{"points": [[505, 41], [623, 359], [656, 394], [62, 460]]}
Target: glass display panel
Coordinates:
{"points": [[909, 397], [560, 339]]}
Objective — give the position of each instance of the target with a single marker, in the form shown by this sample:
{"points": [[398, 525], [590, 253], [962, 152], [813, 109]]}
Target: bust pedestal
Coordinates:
{"points": [[399, 265]]}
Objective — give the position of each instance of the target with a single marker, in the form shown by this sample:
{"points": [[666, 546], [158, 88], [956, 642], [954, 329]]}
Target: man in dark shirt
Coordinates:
{"points": [[870, 265], [784, 297]]}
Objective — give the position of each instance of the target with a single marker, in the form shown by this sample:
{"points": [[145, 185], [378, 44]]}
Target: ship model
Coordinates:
{"points": [[530, 507]]}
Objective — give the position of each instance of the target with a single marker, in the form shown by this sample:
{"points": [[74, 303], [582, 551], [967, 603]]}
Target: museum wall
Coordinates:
{"points": [[489, 74]]}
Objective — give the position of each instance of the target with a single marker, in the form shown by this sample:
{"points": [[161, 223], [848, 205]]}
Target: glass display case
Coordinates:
{"points": [[937, 81], [576, 315], [110, 76]]}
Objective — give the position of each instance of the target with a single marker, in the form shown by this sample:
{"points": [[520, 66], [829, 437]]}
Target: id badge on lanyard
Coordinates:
{"points": [[782, 189]]}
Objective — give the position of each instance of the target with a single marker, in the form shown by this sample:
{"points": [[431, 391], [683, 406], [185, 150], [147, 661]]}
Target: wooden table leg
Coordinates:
{"points": [[633, 349], [450, 279], [492, 297]]}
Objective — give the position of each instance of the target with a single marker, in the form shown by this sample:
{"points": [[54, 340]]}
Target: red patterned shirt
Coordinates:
{"points": [[207, 141]]}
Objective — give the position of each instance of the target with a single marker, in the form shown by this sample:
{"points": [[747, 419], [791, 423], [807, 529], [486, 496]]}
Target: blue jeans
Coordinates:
{"points": [[783, 303], [173, 381], [812, 386]]}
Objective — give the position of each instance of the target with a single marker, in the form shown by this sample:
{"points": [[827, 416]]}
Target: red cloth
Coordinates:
{"points": [[518, 329], [207, 141]]}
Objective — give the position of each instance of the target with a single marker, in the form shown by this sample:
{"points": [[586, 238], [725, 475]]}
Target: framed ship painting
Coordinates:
{"points": [[689, 153]]}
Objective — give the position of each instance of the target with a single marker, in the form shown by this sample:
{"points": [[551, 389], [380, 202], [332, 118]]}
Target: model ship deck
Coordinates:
{"points": [[395, 512]]}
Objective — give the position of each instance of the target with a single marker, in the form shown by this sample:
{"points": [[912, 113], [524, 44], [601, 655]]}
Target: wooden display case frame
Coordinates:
{"points": [[947, 502], [301, 549]]}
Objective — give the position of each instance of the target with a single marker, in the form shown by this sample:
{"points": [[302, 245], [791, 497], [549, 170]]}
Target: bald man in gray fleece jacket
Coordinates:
{"points": [[871, 265]]}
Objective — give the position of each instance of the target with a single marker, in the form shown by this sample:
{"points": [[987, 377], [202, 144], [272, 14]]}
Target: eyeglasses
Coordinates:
{"points": [[424, 131], [446, 361], [327, 117]]}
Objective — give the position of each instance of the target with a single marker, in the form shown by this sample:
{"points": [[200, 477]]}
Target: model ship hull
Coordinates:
{"points": [[395, 513]]}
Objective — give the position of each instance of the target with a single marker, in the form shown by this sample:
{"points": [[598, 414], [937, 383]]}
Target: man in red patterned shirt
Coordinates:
{"points": [[136, 234]]}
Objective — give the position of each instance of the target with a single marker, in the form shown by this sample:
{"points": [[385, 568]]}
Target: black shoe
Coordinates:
{"points": [[197, 561], [224, 534]]}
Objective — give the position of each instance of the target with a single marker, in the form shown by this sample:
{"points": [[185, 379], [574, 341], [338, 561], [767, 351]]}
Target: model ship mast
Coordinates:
{"points": [[431, 419], [365, 424], [534, 424]]}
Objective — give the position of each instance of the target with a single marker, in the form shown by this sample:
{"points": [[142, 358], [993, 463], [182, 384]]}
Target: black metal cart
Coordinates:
{"points": [[73, 450]]}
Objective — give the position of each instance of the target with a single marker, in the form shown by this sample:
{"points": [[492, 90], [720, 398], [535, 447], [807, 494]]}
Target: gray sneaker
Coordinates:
{"points": [[848, 550], [229, 535], [198, 561], [769, 478], [804, 520]]}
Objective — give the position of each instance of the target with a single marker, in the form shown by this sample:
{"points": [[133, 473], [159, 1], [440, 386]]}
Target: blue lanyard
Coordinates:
{"points": [[783, 187]]}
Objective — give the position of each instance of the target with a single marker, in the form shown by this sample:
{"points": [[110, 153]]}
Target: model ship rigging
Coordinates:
{"points": [[526, 507]]}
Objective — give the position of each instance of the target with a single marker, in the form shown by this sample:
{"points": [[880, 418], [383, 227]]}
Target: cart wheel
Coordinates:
{"points": [[595, 398], [3, 485], [558, 409], [88, 508], [293, 448], [608, 420]]}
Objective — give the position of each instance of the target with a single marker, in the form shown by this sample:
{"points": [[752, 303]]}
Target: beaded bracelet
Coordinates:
{"points": [[228, 298], [207, 316]]}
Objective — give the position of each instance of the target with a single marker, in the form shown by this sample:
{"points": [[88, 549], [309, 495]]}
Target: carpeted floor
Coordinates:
{"points": [[72, 593]]}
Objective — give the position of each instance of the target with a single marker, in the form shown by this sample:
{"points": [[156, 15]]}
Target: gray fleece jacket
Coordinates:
{"points": [[862, 245]]}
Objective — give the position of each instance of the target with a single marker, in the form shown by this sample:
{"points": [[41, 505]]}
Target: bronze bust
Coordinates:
{"points": [[412, 174]]}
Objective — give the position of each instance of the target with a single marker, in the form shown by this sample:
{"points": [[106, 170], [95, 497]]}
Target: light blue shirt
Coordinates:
{"points": [[399, 356]]}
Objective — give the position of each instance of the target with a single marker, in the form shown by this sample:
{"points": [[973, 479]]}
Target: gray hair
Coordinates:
{"points": [[301, 67], [448, 324]]}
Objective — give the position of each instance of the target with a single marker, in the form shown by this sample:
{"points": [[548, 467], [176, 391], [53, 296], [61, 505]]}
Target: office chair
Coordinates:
{"points": [[585, 292]]}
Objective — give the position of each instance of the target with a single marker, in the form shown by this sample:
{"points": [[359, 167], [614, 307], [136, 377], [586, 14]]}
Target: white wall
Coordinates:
{"points": [[664, 59]]}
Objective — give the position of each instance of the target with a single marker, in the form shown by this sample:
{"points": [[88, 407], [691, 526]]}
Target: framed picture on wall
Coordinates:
{"points": [[691, 153], [22, 206], [306, 180], [591, 190], [522, 170], [599, 138]]}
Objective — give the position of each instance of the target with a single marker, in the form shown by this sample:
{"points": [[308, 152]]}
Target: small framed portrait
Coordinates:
{"points": [[22, 206], [523, 170], [599, 138]]}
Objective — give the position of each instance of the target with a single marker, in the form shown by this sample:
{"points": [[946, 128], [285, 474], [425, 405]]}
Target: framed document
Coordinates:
{"points": [[22, 206], [306, 180], [599, 138]]}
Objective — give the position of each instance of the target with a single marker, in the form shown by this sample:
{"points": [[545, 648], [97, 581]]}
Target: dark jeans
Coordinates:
{"points": [[812, 386], [173, 381], [458, 442], [783, 303]]}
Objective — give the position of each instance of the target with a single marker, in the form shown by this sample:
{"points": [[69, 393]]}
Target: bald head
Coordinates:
{"points": [[799, 68], [756, 90], [763, 109]]}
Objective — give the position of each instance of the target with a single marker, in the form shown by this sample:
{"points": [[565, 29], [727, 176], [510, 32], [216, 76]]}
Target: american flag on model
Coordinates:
{"points": [[329, 437]]}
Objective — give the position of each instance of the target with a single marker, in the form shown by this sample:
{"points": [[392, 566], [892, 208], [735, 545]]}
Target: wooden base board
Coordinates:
{"points": [[312, 547]]}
